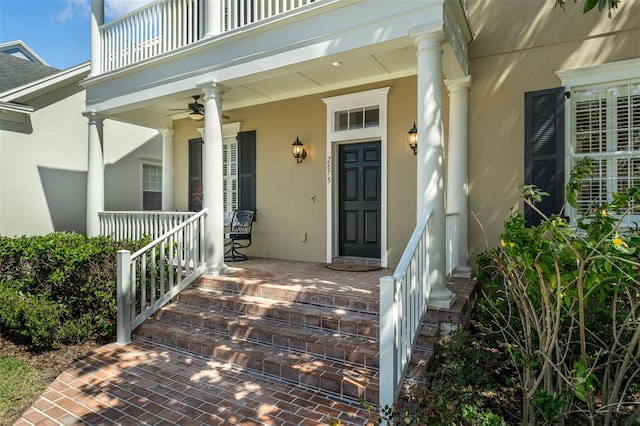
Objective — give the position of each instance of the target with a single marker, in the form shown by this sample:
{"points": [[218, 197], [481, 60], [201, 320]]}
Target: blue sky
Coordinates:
{"points": [[57, 30]]}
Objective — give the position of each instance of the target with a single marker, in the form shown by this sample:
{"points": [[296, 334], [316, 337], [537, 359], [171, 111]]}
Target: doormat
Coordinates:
{"points": [[352, 267]]}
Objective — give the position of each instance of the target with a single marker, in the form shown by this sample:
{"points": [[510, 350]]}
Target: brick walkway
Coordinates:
{"points": [[143, 384], [150, 383], [147, 383]]}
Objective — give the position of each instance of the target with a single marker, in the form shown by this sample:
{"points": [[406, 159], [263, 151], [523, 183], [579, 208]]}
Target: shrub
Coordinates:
{"points": [[59, 288], [567, 302]]}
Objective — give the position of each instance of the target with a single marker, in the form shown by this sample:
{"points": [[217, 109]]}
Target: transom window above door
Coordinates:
{"points": [[357, 118]]}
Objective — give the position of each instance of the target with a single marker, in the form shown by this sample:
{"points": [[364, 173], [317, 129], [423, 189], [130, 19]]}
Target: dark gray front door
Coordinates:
{"points": [[359, 203]]}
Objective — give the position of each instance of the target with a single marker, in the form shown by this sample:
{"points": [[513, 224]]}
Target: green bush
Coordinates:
{"points": [[566, 302], [59, 288]]}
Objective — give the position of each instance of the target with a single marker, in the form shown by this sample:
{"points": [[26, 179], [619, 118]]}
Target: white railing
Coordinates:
{"points": [[244, 12], [135, 225], [166, 25], [155, 274], [452, 242], [403, 302], [159, 27]]}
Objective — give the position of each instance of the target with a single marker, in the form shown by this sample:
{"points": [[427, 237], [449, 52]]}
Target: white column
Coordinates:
{"points": [[95, 173], [167, 169], [212, 17], [97, 19], [457, 166], [430, 157], [212, 179]]}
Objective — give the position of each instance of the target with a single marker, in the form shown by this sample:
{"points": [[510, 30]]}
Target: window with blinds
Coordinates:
{"points": [[230, 175], [606, 128], [151, 187]]}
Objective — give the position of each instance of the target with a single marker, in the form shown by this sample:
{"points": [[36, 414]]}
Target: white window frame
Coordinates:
{"points": [[150, 163], [602, 75], [337, 137], [229, 137]]}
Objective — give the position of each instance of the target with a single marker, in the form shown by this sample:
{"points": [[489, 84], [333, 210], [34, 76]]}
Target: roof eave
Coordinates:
{"points": [[46, 84]]}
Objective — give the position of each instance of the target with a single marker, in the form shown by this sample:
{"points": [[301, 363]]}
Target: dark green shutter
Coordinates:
{"points": [[544, 150], [247, 170], [195, 173]]}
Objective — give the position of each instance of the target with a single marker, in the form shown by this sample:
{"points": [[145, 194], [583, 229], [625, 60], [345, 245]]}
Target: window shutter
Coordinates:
{"points": [[247, 170], [195, 173], [544, 150]]}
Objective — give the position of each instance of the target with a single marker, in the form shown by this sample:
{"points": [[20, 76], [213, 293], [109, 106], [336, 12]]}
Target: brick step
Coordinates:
{"points": [[268, 286], [334, 320], [427, 336], [298, 338], [459, 311], [341, 380]]}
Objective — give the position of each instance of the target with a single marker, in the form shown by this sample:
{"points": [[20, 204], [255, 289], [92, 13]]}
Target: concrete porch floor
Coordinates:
{"points": [[152, 384]]}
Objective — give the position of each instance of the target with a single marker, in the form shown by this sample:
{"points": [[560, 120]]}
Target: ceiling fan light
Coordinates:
{"points": [[196, 115]]}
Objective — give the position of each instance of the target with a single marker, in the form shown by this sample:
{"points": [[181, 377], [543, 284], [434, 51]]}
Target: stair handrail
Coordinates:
{"points": [[403, 302], [152, 276]]}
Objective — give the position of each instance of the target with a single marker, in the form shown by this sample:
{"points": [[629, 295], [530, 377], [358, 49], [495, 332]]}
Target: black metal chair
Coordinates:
{"points": [[239, 235]]}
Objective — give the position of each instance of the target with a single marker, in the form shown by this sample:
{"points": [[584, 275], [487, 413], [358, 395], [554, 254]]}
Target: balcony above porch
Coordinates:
{"points": [[151, 60]]}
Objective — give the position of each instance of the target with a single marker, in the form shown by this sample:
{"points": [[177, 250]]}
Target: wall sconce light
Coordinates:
{"points": [[412, 139], [298, 151]]}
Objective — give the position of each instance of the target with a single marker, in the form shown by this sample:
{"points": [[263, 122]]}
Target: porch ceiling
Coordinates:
{"points": [[284, 59], [317, 76]]}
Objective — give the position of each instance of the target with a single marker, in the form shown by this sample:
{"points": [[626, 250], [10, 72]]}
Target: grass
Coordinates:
{"points": [[19, 385]]}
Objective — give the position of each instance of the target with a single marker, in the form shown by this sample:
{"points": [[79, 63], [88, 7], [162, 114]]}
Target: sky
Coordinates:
{"points": [[57, 30]]}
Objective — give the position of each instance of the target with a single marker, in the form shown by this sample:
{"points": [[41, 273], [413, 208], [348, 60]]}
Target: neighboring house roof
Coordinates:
{"points": [[16, 71], [19, 49], [24, 76]]}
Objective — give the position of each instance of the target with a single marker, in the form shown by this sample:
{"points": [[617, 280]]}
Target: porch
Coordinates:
{"points": [[275, 342]]}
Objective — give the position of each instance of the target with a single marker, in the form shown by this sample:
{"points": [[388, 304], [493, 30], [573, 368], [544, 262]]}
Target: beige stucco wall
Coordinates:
{"points": [[43, 165], [284, 188], [519, 46]]}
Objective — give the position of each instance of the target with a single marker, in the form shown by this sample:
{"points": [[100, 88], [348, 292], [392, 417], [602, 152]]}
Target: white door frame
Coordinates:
{"points": [[367, 134]]}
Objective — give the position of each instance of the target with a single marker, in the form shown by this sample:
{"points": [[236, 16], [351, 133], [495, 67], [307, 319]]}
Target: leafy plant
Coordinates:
{"points": [[59, 288], [567, 302]]}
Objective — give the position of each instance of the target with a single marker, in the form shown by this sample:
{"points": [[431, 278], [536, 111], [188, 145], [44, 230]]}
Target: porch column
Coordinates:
{"points": [[167, 169], [430, 157], [97, 19], [212, 181], [457, 167], [95, 173], [212, 17]]}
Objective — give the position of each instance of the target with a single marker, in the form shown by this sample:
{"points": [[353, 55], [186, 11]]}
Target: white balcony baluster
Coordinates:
{"points": [[167, 25]]}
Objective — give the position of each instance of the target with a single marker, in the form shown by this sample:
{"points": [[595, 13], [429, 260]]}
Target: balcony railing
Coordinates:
{"points": [[166, 25]]}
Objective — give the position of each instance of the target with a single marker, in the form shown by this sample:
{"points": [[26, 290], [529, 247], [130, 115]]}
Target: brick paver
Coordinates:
{"points": [[143, 383], [151, 383], [148, 383]]}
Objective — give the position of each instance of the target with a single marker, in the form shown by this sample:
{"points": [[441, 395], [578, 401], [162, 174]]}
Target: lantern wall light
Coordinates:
{"points": [[412, 138], [298, 150]]}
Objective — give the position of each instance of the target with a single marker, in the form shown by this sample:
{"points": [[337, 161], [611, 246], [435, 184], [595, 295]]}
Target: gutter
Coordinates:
{"points": [[13, 107]]}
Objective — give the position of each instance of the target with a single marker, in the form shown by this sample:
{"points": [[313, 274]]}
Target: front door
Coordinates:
{"points": [[359, 202]]}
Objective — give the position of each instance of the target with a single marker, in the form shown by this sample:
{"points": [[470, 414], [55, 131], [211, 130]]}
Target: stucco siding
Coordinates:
{"points": [[43, 166], [286, 214], [518, 48]]}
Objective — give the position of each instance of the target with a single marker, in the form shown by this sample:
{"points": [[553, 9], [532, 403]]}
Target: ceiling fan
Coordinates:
{"points": [[195, 109]]}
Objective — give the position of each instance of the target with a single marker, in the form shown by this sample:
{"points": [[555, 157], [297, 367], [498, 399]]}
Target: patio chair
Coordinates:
{"points": [[239, 235]]}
